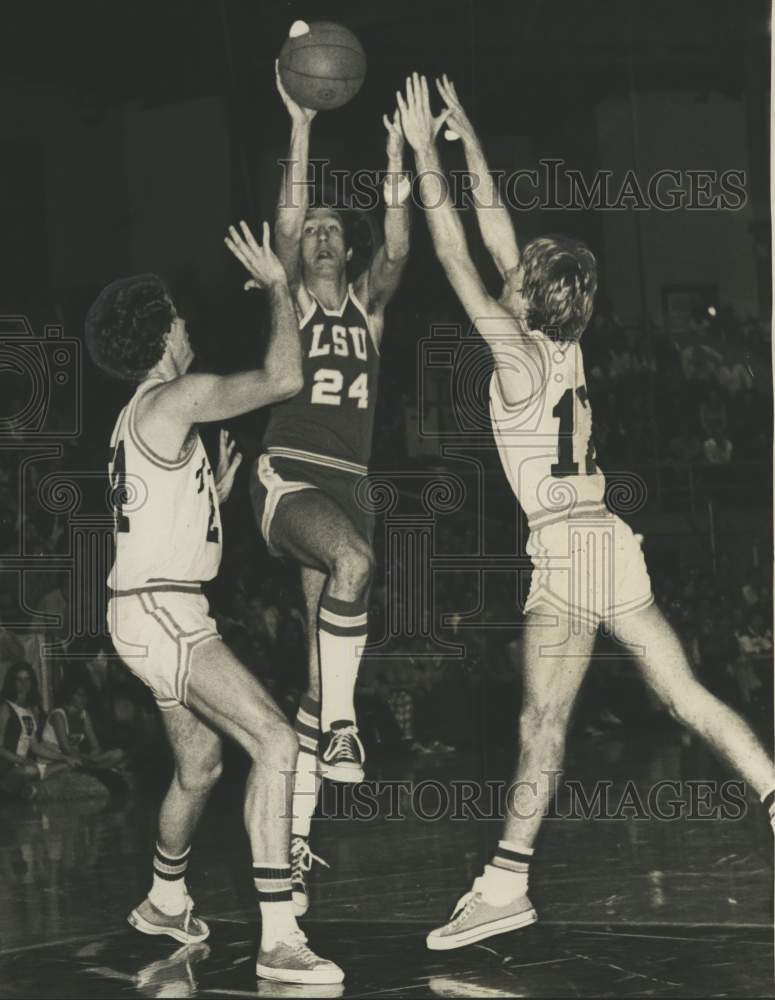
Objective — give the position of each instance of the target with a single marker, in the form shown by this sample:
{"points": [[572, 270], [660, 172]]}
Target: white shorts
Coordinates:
{"points": [[591, 569], [155, 631]]}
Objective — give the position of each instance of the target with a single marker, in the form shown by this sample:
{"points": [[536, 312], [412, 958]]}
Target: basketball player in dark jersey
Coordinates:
{"points": [[316, 453], [533, 330]]}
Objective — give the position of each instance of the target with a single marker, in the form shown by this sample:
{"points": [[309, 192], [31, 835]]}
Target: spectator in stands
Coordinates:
{"points": [[69, 728], [20, 721], [717, 450]]}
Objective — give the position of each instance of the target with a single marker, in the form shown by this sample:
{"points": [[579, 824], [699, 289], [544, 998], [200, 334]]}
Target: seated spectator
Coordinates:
{"points": [[717, 450], [713, 415], [756, 638], [754, 641], [69, 729], [20, 719]]}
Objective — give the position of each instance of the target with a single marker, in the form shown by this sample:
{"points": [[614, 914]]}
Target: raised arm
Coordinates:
{"points": [[379, 282], [203, 398], [507, 337], [294, 197], [492, 215]]}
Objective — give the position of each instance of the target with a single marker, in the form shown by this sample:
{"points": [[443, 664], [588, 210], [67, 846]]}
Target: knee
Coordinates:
{"points": [[685, 703], [352, 567], [279, 745], [198, 777]]}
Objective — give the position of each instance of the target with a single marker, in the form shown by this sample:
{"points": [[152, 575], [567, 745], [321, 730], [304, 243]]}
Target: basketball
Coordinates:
{"points": [[322, 65]]}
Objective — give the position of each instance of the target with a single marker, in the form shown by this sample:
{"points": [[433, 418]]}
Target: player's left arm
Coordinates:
{"points": [[377, 285], [507, 336], [495, 224]]}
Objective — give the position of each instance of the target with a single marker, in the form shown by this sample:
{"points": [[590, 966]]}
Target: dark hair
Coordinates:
{"points": [[8, 692], [127, 326], [559, 284], [72, 681]]}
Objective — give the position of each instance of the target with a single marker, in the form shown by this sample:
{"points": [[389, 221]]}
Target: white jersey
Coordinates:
{"points": [[167, 519], [545, 443]]}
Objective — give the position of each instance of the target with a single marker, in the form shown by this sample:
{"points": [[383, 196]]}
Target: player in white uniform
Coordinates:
{"points": [[168, 542], [588, 565]]}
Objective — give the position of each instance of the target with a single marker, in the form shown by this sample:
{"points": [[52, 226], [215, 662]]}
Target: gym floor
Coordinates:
{"points": [[627, 906]]}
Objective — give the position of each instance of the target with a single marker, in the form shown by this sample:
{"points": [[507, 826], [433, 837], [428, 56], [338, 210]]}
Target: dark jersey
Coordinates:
{"points": [[333, 415]]}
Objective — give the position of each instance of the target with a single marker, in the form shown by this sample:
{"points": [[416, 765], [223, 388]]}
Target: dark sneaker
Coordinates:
{"points": [[474, 919], [301, 862], [341, 753], [183, 927], [293, 961]]}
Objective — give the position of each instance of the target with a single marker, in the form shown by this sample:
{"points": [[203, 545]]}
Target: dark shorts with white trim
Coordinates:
{"points": [[276, 476], [155, 630]]}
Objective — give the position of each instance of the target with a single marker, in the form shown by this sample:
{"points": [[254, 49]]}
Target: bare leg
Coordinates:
{"points": [[666, 670], [555, 661], [314, 530], [197, 752], [233, 701], [312, 584]]}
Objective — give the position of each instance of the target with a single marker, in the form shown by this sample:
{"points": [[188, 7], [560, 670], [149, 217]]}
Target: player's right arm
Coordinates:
{"points": [[294, 197], [494, 220], [508, 338], [204, 398]]}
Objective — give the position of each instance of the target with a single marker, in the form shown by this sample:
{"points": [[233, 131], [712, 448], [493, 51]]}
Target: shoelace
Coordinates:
{"points": [[464, 906], [302, 858], [297, 942], [345, 742]]}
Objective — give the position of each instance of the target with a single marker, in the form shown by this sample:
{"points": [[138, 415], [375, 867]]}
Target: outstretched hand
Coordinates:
{"points": [[298, 113], [228, 462], [458, 123], [419, 125], [395, 136], [258, 259]]}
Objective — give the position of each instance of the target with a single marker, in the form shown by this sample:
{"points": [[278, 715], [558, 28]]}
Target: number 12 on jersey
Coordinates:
{"points": [[564, 411]]}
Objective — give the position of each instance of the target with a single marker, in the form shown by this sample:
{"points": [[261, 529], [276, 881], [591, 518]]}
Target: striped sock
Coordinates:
{"points": [[273, 885], [506, 877], [168, 892], [342, 631], [307, 782]]}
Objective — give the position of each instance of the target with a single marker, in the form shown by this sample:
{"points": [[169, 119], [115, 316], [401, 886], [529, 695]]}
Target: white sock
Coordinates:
{"points": [[168, 892], [273, 884], [507, 877], [342, 634], [277, 923], [305, 793]]}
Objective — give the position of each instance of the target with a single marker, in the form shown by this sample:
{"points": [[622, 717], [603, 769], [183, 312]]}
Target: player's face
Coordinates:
{"points": [[323, 248]]}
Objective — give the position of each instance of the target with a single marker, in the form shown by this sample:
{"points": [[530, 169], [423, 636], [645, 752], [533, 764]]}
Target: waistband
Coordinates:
{"points": [[151, 588], [327, 461]]}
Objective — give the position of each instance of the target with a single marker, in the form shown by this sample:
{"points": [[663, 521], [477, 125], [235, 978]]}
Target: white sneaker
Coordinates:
{"points": [[292, 961], [474, 919]]}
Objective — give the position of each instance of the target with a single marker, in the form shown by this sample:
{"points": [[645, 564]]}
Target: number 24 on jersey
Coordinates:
{"points": [[328, 384]]}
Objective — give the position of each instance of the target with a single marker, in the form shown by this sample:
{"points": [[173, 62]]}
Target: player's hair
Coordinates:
{"points": [[559, 281], [127, 326]]}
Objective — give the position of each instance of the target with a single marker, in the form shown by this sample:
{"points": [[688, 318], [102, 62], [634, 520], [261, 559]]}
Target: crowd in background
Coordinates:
{"points": [[701, 400]]}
